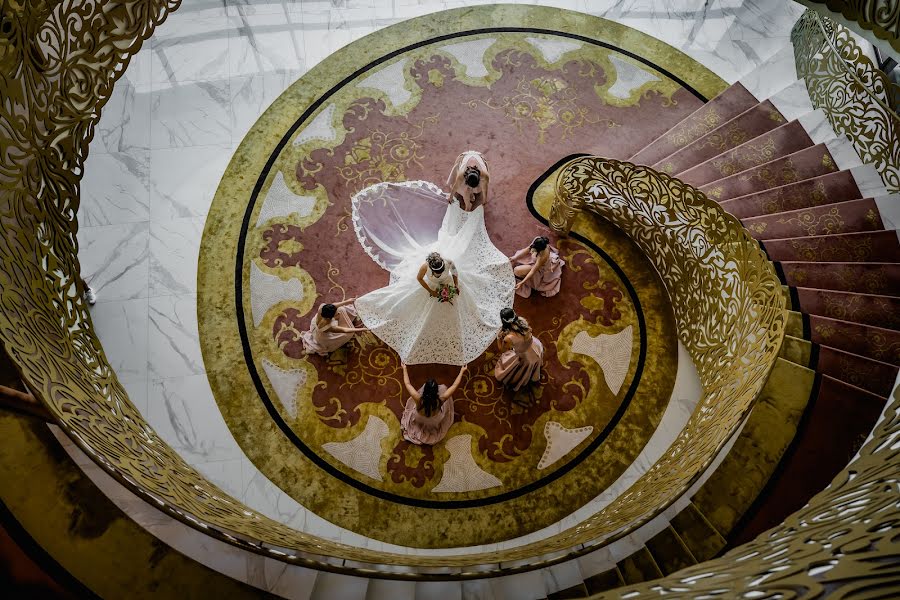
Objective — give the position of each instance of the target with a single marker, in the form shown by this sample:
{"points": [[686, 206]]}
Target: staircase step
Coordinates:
{"points": [[825, 189], [572, 593], [783, 141], [379, 589], [768, 432], [797, 325], [564, 576], [843, 217], [445, 590], [880, 311], [639, 567], [607, 580], [792, 101], [669, 551], [724, 107], [876, 343], [869, 278], [333, 586], [797, 350], [871, 375], [865, 246], [751, 123], [698, 535], [805, 164], [889, 210], [834, 426], [773, 75]]}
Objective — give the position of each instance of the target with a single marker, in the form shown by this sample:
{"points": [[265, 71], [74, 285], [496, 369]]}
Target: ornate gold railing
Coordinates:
{"points": [[855, 95], [59, 61], [881, 17]]}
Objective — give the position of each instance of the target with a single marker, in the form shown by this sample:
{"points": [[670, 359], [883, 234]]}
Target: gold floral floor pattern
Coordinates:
{"points": [[279, 241]]}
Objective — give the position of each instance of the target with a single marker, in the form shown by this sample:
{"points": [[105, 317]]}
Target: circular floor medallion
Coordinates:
{"points": [[400, 105]]}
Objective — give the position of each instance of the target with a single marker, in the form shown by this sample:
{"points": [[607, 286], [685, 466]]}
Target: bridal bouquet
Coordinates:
{"points": [[446, 293]]}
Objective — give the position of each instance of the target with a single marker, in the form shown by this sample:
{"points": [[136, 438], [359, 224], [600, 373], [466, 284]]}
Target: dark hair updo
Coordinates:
{"points": [[435, 262], [430, 398], [328, 311], [510, 321], [540, 243], [472, 176]]}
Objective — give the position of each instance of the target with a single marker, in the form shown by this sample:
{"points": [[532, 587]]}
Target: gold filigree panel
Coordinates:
{"points": [[855, 95], [881, 17]]}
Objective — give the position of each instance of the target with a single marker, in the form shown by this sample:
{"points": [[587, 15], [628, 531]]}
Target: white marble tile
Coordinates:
{"points": [[326, 31], [174, 252], [382, 589], [889, 210], [868, 181], [191, 114], [524, 586], [115, 260], [183, 412], [264, 496], [843, 153], [190, 46], [332, 586], [121, 326], [115, 188], [224, 473], [184, 180], [263, 7], [439, 590], [138, 390], [125, 118], [295, 583], [252, 95], [478, 589], [816, 125], [772, 76], [265, 43], [793, 101], [174, 339]]}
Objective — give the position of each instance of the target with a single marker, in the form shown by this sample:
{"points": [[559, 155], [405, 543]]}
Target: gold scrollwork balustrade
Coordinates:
{"points": [[881, 17], [855, 95]]}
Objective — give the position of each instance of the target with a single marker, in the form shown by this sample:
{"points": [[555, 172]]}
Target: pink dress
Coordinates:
{"points": [[419, 429], [324, 340], [521, 364], [545, 280]]}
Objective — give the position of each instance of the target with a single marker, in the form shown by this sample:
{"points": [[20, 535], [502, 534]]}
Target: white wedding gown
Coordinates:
{"points": [[398, 225]]}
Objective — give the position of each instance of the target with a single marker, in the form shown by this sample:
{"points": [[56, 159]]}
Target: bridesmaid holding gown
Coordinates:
{"points": [[429, 413], [331, 328], [538, 268], [523, 354]]}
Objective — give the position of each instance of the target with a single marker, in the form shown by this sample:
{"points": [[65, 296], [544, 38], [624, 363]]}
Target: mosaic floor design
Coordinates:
{"points": [[279, 241]]}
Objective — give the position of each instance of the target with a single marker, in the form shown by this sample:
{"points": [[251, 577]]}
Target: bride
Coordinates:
{"points": [[428, 245]]}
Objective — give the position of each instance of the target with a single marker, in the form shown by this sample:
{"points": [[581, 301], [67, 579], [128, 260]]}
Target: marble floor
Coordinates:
{"points": [[168, 132]]}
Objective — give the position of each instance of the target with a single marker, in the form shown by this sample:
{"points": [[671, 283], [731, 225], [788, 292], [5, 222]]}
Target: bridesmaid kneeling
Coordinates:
{"points": [[428, 422], [331, 328], [538, 268], [523, 354]]}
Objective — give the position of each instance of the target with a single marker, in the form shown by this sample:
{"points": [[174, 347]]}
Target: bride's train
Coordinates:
{"points": [[398, 225]]}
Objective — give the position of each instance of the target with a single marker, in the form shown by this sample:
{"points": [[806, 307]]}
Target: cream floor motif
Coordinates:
{"points": [[561, 441], [611, 352], [285, 383], [362, 453], [461, 472]]}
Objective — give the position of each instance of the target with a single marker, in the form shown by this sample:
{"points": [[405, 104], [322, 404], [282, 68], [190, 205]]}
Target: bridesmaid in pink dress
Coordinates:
{"points": [[468, 180], [429, 410], [331, 328], [538, 267], [523, 354]]}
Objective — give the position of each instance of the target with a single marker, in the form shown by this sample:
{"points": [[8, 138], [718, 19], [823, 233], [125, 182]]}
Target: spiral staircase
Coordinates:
{"points": [[829, 225]]}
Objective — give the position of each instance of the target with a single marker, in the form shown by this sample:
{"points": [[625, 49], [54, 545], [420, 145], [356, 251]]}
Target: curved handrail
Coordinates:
{"points": [[851, 90]]}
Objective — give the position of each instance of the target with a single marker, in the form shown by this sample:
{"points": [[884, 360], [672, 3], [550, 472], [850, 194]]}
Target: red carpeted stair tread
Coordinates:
{"points": [[880, 311], [825, 189], [782, 141], [864, 277], [835, 424], [868, 341], [871, 375], [865, 246], [721, 109], [805, 164], [751, 123], [842, 217]]}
